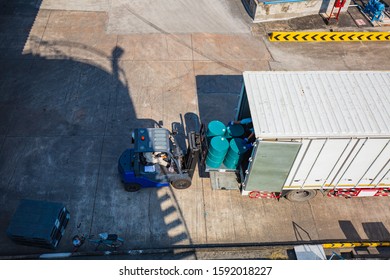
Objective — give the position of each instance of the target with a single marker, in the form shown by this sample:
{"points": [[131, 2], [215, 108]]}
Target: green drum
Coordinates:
{"points": [[218, 148], [236, 149], [234, 131], [215, 128]]}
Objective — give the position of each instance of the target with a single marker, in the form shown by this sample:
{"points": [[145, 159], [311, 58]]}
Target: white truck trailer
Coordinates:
{"points": [[325, 131]]}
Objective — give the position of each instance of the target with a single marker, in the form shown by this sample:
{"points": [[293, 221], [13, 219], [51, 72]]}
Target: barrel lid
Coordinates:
{"points": [[235, 130], [238, 146], [216, 128], [219, 143]]}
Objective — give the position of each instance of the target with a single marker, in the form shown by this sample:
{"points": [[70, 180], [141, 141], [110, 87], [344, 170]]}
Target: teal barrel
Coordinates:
{"points": [[218, 148], [215, 128], [237, 148], [234, 131]]}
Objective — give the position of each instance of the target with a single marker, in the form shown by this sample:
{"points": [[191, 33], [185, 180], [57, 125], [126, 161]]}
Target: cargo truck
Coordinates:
{"points": [[325, 132]]}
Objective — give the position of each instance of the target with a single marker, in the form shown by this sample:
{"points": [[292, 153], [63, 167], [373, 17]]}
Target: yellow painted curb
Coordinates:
{"points": [[355, 244], [328, 36]]}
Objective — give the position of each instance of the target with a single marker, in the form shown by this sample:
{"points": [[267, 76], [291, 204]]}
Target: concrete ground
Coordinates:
{"points": [[170, 16], [77, 76]]}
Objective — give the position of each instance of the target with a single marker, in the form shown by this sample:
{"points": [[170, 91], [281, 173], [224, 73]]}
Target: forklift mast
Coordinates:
{"points": [[193, 152]]}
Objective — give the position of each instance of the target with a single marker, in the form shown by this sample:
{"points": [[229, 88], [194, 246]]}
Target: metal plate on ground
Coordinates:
{"points": [[310, 252], [224, 181]]}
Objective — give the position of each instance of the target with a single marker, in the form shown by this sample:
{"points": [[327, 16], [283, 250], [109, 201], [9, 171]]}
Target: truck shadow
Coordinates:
{"points": [[218, 96], [64, 121]]}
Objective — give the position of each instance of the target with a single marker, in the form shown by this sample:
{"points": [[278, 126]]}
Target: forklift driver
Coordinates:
{"points": [[157, 157]]}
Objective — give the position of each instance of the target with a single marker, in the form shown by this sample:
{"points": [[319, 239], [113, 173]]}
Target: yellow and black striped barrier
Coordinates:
{"points": [[355, 244], [328, 36]]}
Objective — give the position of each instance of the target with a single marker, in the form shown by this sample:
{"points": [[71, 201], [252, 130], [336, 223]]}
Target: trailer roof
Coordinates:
{"points": [[319, 104]]}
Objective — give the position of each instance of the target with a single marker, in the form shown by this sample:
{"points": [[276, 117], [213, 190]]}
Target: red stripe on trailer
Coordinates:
{"points": [[353, 192], [254, 194], [383, 192], [262, 194], [267, 195], [345, 192]]}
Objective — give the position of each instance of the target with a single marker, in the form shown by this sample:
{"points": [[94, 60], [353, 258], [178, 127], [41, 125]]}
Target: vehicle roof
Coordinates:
{"points": [[319, 104]]}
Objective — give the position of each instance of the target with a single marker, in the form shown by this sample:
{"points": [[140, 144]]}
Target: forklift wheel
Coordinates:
{"points": [[132, 187], [182, 183]]}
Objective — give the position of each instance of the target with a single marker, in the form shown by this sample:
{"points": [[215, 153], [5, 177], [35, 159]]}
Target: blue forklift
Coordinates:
{"points": [[156, 160]]}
